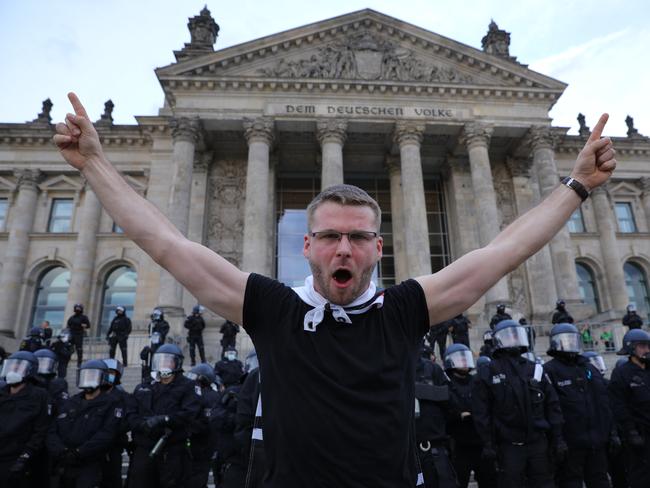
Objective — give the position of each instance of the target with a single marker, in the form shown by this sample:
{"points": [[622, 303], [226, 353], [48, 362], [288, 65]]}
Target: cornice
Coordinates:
{"points": [[28, 135], [624, 146]]}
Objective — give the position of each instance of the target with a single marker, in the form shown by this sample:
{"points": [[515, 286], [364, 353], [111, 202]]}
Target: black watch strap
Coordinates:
{"points": [[576, 186]]}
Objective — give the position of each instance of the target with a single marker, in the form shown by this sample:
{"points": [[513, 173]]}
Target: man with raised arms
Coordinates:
{"points": [[337, 357]]}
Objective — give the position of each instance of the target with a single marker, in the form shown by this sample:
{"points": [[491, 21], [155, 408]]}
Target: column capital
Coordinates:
{"points": [[185, 129], [28, 178], [519, 167], [542, 137], [392, 164], [331, 130], [644, 184], [408, 132], [259, 129], [476, 133]]}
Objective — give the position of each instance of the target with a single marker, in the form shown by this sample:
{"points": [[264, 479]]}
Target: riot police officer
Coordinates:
{"points": [[516, 412], [631, 319], [83, 431], [499, 316], [63, 349], [438, 335], [165, 409], [582, 392], [460, 329], [629, 391], [466, 453], [597, 361], [118, 333], [488, 345], [195, 324], [23, 420], [158, 329], [57, 388], [561, 316], [230, 369], [34, 340], [229, 331], [78, 324]]}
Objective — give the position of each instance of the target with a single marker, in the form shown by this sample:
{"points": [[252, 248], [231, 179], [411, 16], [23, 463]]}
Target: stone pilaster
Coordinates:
{"points": [[477, 136], [644, 184], [408, 136], [564, 269], [397, 218], [15, 257], [259, 135], [606, 224], [83, 263], [540, 282], [331, 134]]}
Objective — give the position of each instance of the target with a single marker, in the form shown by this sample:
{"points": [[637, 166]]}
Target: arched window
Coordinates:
{"points": [[587, 285], [51, 297], [637, 288], [119, 289]]}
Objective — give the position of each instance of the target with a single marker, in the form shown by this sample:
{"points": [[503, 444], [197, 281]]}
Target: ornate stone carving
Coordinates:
{"points": [[185, 129], [44, 117], [28, 178], [631, 131], [203, 34], [225, 223], [407, 132], [368, 57], [519, 167], [107, 117], [584, 129], [257, 129], [476, 133], [644, 184], [331, 130], [541, 136], [497, 42]]}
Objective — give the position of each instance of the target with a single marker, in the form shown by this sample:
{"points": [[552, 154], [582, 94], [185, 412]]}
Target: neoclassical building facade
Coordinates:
{"points": [[454, 142]]}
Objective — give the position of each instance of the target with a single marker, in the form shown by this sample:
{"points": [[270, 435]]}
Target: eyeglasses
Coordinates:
{"points": [[356, 237]]}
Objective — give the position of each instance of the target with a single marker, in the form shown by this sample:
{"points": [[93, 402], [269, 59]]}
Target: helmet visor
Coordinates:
{"points": [[599, 363], [90, 378], [46, 365], [163, 363], [511, 337], [460, 360], [566, 342], [15, 370]]}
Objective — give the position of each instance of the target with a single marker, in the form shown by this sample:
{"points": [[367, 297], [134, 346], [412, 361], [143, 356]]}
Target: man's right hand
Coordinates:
{"points": [[77, 139]]}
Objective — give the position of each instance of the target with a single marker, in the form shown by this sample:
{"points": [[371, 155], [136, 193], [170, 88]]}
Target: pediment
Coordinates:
{"points": [[61, 183], [624, 188], [362, 46]]}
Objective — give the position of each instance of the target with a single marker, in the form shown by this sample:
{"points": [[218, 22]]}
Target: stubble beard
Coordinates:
{"points": [[322, 283]]}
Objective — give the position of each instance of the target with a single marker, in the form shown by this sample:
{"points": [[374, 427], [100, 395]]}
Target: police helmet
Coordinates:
{"points": [[18, 367], [251, 362], [35, 332], [564, 338], [508, 334], [79, 307], [458, 356], [203, 374], [120, 308], [157, 314], [47, 361], [92, 375], [631, 307], [167, 360], [631, 339], [560, 303], [116, 366], [482, 361], [64, 335], [230, 353], [501, 308], [596, 361], [487, 337], [197, 309]]}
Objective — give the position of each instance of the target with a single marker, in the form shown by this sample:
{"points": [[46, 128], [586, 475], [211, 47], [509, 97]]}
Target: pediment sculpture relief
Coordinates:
{"points": [[367, 57]]}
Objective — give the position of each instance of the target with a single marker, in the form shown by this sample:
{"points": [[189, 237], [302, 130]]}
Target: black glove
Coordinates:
{"points": [[634, 439], [71, 457], [152, 423], [614, 445], [561, 450], [20, 464]]}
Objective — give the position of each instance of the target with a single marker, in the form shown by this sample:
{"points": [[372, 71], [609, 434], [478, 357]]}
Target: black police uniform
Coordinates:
{"points": [[77, 330], [32, 343], [80, 437], [432, 401], [118, 333], [629, 391], [203, 438], [195, 324], [229, 331], [466, 443], [632, 320], [460, 330], [23, 428], [498, 317], [63, 351], [561, 316], [514, 415], [231, 372], [112, 465], [179, 402], [57, 392], [227, 449], [162, 327], [438, 335], [587, 428]]}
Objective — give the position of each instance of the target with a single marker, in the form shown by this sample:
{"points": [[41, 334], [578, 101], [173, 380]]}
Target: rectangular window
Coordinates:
{"points": [[576, 223], [61, 215], [4, 206], [625, 217]]}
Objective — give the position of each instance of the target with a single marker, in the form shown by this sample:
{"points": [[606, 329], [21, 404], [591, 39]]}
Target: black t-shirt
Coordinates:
{"points": [[338, 402]]}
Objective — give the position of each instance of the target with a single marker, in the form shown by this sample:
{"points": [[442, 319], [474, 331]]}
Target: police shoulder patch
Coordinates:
{"points": [[118, 413]]}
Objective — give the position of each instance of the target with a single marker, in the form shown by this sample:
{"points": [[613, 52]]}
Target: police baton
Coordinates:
{"points": [[160, 444]]}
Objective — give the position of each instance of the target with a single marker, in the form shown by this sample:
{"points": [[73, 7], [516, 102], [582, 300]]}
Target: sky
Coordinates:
{"points": [[110, 48]]}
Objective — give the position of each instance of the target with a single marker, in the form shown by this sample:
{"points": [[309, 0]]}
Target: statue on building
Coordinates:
{"points": [[44, 117], [497, 42], [584, 130], [203, 35], [107, 117], [631, 131]]}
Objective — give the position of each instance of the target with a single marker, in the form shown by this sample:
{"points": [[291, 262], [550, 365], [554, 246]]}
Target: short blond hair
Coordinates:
{"points": [[344, 195]]}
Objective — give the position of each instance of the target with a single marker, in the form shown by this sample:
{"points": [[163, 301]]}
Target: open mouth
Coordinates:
{"points": [[342, 276]]}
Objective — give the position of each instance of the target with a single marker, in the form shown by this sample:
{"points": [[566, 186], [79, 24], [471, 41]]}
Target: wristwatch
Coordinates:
{"points": [[576, 186]]}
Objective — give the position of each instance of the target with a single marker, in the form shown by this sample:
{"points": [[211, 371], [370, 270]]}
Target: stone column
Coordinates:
{"points": [[185, 133], [397, 217], [564, 269], [331, 134], [15, 258], [607, 227], [644, 183], [83, 263], [540, 282], [259, 135], [477, 138], [416, 229]]}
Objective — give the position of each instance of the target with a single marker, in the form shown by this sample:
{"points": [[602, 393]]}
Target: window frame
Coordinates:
{"points": [[36, 295], [629, 205], [52, 219], [579, 218]]}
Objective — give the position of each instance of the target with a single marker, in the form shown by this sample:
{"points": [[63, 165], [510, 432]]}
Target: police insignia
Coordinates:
{"points": [[118, 413], [198, 391]]}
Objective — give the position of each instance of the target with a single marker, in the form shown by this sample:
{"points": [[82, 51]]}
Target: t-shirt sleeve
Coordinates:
{"points": [[267, 304], [408, 297]]}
